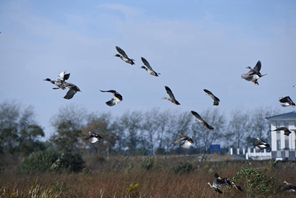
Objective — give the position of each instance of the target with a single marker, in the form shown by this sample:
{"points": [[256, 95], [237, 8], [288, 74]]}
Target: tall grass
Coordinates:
{"points": [[128, 177]]}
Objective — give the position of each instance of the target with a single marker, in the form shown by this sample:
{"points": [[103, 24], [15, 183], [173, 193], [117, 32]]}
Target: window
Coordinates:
{"points": [[278, 144], [287, 144], [286, 123]]}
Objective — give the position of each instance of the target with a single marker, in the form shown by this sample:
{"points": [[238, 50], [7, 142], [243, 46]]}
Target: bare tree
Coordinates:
{"points": [[130, 125], [150, 126], [260, 127], [239, 127]]}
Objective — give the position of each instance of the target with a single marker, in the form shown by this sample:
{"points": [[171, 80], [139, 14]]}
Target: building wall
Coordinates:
{"points": [[290, 124], [273, 137]]}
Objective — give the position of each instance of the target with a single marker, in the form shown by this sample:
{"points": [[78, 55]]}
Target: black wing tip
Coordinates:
{"points": [[193, 112]]}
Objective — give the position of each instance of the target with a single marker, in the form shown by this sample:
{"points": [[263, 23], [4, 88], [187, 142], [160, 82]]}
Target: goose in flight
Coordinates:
{"points": [[216, 184], [59, 82], [123, 56], [93, 137], [73, 89], [172, 97], [184, 141], [199, 119], [115, 100], [288, 187], [261, 144], [287, 101], [216, 100], [148, 68], [286, 131], [253, 74]]}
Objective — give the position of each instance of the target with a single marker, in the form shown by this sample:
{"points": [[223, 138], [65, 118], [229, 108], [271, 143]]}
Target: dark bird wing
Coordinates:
{"points": [[216, 100], [237, 186], [73, 89], [117, 97], [260, 142], [169, 91], [286, 131], [198, 117], [183, 138], [146, 63], [111, 102], [66, 76], [219, 191], [285, 99], [122, 52], [257, 67], [281, 129]]}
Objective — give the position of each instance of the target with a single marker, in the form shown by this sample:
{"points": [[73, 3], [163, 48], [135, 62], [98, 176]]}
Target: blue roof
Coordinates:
{"points": [[285, 116]]}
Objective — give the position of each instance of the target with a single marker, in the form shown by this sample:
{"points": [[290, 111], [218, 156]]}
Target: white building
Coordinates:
{"points": [[282, 146]]}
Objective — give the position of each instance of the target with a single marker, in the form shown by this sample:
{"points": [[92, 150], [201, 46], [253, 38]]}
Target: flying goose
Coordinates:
{"points": [[115, 100], [148, 68], [199, 119], [222, 181], [216, 100], [286, 131], [287, 101], [73, 89], [288, 187], [93, 137], [261, 144], [253, 74], [257, 69], [184, 141], [59, 82], [123, 56], [216, 184], [172, 97]]}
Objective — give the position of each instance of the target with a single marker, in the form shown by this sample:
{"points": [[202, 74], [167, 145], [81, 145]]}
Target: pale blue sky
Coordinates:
{"points": [[194, 45]]}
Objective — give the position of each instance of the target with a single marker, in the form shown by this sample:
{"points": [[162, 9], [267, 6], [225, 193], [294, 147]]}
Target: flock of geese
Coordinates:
{"points": [[252, 75], [218, 182]]}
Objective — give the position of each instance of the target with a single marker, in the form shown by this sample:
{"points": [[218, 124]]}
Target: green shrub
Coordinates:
{"points": [[182, 167], [255, 182], [51, 160], [148, 163]]}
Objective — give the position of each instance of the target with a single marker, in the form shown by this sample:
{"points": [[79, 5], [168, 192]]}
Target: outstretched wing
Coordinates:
{"points": [[216, 99], [257, 67], [146, 63], [112, 102], [280, 129], [204, 123], [169, 91], [121, 51], [198, 117], [73, 89]]}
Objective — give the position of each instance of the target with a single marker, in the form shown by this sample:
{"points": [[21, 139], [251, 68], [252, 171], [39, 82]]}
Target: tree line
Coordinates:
{"points": [[131, 133]]}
